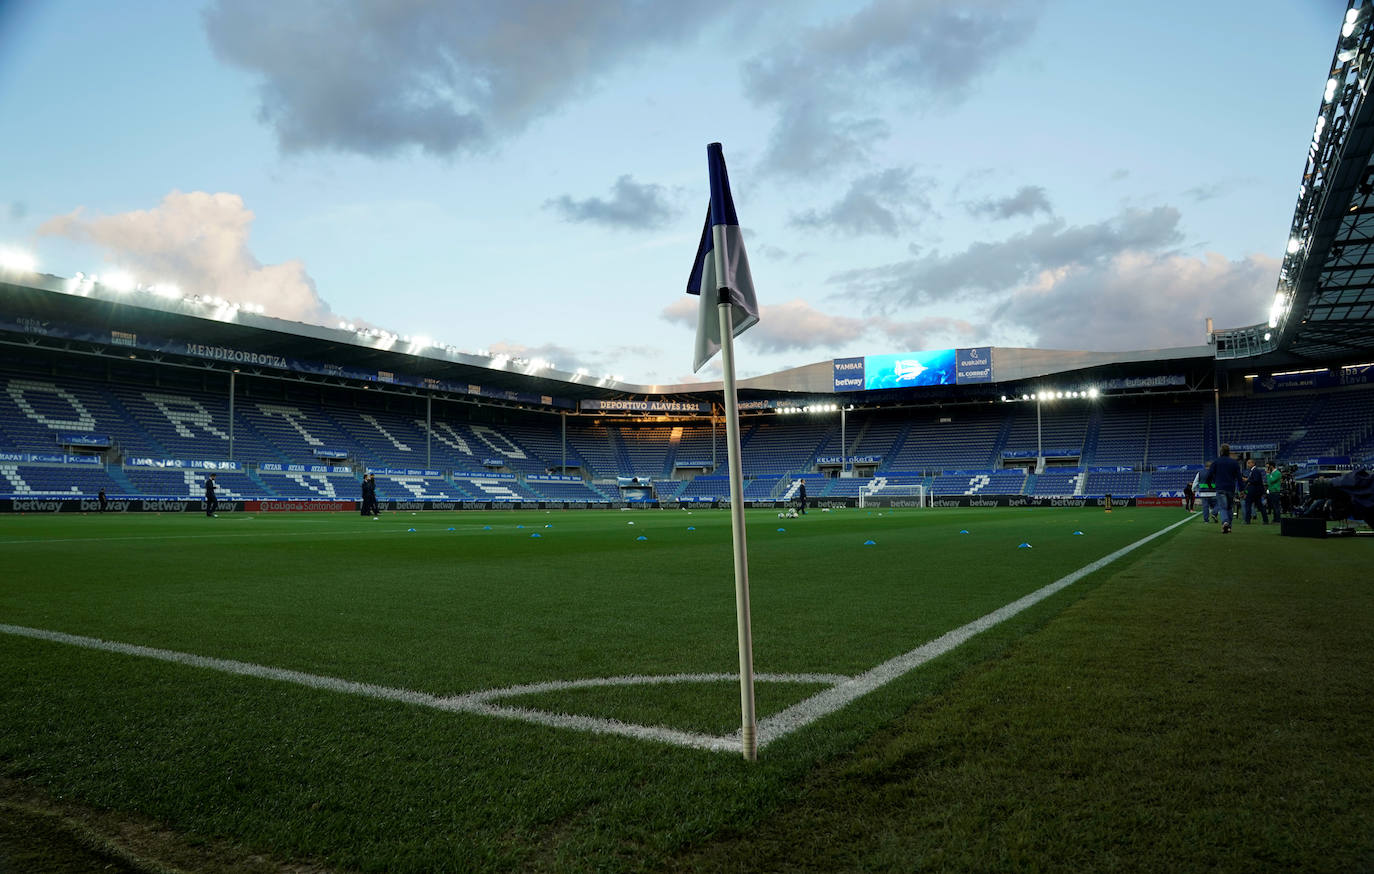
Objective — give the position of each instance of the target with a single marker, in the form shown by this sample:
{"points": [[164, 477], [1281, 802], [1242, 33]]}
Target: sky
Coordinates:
{"points": [[530, 178]]}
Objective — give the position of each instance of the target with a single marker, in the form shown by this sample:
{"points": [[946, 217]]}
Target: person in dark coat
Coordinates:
{"points": [[101, 498], [1188, 496], [1225, 474], [369, 507], [1254, 492], [211, 502], [801, 498]]}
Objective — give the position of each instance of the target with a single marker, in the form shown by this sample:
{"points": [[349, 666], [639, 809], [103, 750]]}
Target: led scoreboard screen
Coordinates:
{"points": [[914, 369]]}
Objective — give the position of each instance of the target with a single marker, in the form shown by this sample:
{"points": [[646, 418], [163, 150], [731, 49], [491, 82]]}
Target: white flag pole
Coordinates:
{"points": [[748, 723]]}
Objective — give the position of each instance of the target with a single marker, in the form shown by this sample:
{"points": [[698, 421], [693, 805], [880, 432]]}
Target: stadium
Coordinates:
{"points": [[994, 639]]}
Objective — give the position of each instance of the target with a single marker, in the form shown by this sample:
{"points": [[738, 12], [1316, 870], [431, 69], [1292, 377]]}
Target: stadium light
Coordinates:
{"points": [[120, 282], [17, 262], [165, 289], [1294, 244], [1092, 392]]}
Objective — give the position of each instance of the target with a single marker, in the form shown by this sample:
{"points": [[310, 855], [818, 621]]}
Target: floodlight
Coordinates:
{"points": [[120, 281], [422, 342], [1267, 334], [1059, 394], [16, 261], [1294, 244], [1351, 15], [1092, 392], [1025, 397], [167, 290]]}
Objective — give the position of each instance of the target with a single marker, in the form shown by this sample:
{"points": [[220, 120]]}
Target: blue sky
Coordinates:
{"points": [[530, 178]]}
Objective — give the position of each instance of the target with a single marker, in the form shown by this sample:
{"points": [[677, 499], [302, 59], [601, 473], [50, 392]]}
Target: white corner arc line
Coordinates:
{"points": [[842, 691]]}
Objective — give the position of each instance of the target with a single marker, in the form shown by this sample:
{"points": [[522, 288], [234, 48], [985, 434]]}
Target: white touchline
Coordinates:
{"points": [[842, 689]]}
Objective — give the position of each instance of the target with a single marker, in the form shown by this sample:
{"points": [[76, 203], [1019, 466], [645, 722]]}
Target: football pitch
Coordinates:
{"points": [[522, 690]]}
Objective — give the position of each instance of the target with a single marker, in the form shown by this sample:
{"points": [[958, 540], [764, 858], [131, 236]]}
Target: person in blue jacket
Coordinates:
{"points": [[1226, 476]]}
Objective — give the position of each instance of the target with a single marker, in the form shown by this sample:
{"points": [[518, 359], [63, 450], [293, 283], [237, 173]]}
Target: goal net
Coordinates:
{"points": [[910, 494]]}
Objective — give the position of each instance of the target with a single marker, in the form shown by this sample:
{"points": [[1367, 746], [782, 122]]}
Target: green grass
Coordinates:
{"points": [[1094, 720]]}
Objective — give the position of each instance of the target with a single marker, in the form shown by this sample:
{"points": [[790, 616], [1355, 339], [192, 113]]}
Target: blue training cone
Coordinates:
{"points": [[451, 529], [641, 537], [1025, 546], [782, 530], [535, 535], [1078, 534], [411, 530], [486, 527], [870, 543], [691, 527], [963, 531]]}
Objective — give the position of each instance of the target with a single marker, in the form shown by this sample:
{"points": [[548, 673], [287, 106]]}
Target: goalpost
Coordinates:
{"points": [[901, 491]]}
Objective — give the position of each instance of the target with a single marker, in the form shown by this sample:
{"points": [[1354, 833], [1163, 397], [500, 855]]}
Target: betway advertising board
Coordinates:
{"points": [[914, 369]]}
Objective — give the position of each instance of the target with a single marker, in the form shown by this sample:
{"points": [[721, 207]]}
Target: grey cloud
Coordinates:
{"points": [[631, 205], [999, 266], [885, 203], [376, 77], [18, 210], [1027, 201], [823, 81], [1141, 301]]}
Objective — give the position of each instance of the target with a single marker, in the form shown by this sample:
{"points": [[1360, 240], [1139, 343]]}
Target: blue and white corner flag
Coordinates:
{"points": [[721, 268]]}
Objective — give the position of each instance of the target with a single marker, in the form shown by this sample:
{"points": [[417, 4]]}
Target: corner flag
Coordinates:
{"points": [[720, 273], [720, 276]]}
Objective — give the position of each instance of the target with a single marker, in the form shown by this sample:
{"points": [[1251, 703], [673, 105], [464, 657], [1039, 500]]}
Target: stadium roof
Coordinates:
{"points": [[1323, 311]]}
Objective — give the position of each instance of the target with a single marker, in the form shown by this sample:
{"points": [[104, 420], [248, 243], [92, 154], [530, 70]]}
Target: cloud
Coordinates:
{"points": [[797, 326], [631, 205], [1140, 300], [1027, 201], [995, 267], [18, 210], [824, 81], [878, 203], [376, 77], [198, 241]]}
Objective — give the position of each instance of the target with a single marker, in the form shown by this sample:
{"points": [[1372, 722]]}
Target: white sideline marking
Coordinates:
{"points": [[824, 703], [843, 689]]}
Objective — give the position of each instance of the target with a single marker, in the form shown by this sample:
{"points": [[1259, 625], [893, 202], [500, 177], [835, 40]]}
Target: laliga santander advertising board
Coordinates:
{"points": [[914, 369]]}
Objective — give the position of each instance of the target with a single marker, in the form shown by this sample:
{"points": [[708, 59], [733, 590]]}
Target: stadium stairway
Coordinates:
{"points": [[1090, 438], [896, 449], [257, 481], [1029, 488], [1008, 422], [670, 460], [116, 473], [112, 398]]}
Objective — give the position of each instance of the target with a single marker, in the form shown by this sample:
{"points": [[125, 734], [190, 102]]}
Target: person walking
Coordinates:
{"points": [[1224, 473], [211, 502], [1188, 496], [801, 498]]}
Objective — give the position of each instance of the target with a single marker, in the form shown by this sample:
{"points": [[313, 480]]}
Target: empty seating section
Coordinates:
{"points": [[1171, 481], [993, 482], [878, 438], [1176, 433], [177, 415], [551, 490], [698, 449], [35, 411], [295, 486], [1122, 437], [1059, 481], [765, 488], [1341, 424], [967, 441], [780, 449], [31, 480], [594, 445], [547, 445], [647, 450], [190, 483], [1115, 483], [1263, 420], [1061, 430]]}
